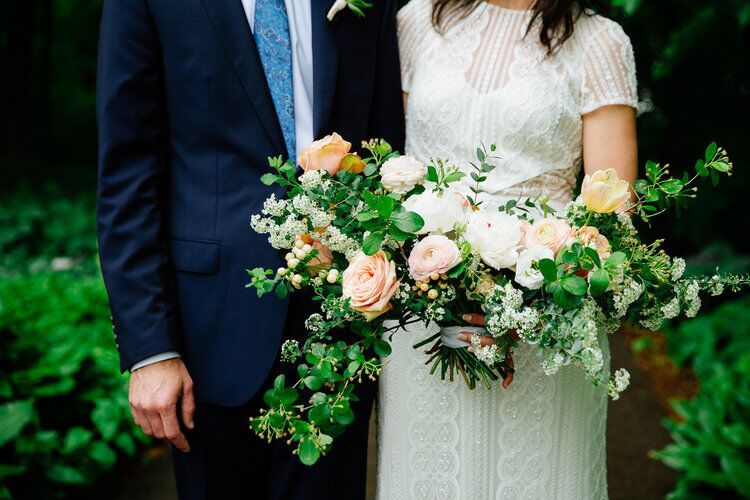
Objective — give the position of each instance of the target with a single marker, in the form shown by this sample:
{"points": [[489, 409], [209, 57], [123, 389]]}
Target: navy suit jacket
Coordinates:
{"points": [[186, 123]]}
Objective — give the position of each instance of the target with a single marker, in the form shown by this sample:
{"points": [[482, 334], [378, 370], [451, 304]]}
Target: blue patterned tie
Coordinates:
{"points": [[275, 49]]}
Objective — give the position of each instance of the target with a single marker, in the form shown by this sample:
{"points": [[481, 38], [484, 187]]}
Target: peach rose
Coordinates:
{"points": [[434, 254], [323, 259], [604, 192], [324, 154], [549, 232], [369, 282], [591, 236]]}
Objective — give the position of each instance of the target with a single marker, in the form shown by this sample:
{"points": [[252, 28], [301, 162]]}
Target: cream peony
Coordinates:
{"points": [[440, 211], [528, 274], [604, 192], [324, 154], [369, 282], [434, 254], [495, 236], [550, 232], [402, 174]]}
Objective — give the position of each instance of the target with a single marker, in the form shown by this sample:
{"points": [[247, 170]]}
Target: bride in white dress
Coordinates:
{"points": [[482, 78]]}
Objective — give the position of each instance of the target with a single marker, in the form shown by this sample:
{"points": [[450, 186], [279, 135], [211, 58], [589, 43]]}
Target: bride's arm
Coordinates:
{"points": [[609, 141]]}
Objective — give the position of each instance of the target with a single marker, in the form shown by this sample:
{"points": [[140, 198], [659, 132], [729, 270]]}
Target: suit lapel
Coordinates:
{"points": [[325, 64], [230, 23]]}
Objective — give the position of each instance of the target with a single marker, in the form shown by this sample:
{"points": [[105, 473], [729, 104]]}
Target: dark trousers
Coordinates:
{"points": [[228, 461]]}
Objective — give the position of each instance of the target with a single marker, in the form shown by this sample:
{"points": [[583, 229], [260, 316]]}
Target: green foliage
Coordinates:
{"points": [[712, 441], [36, 228], [64, 413]]}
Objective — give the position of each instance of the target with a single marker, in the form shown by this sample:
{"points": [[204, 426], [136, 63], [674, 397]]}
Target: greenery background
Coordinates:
{"points": [[63, 414]]}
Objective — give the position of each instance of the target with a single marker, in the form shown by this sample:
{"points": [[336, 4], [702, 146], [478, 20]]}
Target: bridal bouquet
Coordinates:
{"points": [[383, 241]]}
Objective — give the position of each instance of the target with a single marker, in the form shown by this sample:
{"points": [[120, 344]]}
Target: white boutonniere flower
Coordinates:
{"points": [[356, 6]]}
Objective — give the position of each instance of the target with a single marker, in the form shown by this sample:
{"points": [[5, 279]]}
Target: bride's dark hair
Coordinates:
{"points": [[557, 17]]}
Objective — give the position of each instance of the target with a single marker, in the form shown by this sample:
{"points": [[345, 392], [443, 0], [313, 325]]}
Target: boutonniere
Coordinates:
{"points": [[356, 6]]}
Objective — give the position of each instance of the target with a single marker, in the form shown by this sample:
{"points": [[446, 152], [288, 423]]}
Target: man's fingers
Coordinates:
{"points": [[474, 319], [156, 425], [188, 405], [172, 430], [142, 421]]}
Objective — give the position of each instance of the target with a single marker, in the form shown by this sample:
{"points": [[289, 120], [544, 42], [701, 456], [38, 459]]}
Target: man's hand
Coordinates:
{"points": [[485, 340], [155, 392]]}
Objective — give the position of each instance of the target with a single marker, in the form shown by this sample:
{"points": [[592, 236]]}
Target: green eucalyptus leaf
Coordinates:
{"points": [[308, 451], [599, 282], [372, 243], [548, 269], [711, 151], [408, 222], [575, 285]]}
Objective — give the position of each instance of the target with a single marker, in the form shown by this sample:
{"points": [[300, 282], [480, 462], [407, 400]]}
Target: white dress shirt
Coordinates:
{"points": [[300, 32]]}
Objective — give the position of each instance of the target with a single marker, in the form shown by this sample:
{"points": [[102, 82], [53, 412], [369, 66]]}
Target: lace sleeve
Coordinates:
{"points": [[609, 70], [413, 25]]}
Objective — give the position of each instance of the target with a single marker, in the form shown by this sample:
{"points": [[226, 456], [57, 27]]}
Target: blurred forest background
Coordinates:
{"points": [[64, 419]]}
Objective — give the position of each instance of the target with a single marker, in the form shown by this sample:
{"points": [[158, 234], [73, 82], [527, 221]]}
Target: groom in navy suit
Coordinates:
{"points": [[193, 96]]}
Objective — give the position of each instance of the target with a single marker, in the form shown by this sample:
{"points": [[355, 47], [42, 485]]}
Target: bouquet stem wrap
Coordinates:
{"points": [[449, 335]]}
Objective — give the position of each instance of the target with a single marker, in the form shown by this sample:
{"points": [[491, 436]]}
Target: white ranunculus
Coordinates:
{"points": [[402, 174], [528, 274], [440, 211], [495, 236]]}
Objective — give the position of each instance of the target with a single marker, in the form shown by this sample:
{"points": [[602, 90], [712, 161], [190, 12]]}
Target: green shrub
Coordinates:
{"points": [[712, 442], [38, 226], [64, 413]]}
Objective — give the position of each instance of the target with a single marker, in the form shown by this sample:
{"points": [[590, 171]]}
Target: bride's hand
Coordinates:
{"points": [[478, 320]]}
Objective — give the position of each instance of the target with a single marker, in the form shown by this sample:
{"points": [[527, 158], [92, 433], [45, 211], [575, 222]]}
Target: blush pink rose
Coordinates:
{"points": [[434, 254], [323, 259], [324, 154], [591, 236], [549, 232], [369, 282]]}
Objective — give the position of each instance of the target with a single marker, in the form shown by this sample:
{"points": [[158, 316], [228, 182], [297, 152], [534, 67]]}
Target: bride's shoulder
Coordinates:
{"points": [[594, 30], [415, 15]]}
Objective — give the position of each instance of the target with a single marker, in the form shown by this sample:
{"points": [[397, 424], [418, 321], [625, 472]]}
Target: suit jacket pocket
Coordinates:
{"points": [[195, 256]]}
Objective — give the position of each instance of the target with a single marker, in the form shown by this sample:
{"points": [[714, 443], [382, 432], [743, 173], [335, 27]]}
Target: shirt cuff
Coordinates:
{"points": [[155, 359]]}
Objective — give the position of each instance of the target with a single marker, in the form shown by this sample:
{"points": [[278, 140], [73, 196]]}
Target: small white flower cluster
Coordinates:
{"points": [[274, 207], [576, 209], [504, 310], [553, 362], [337, 308], [434, 312], [671, 309], [625, 295], [489, 355], [314, 322], [307, 208], [280, 236], [651, 319], [402, 293], [691, 298], [619, 383], [337, 241], [716, 288], [313, 179], [678, 268], [290, 351]]}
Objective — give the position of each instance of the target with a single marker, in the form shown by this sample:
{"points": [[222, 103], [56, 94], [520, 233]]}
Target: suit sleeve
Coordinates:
{"points": [[132, 169], [387, 116]]}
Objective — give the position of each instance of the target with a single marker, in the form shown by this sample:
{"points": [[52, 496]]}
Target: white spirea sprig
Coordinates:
{"points": [[619, 383]]}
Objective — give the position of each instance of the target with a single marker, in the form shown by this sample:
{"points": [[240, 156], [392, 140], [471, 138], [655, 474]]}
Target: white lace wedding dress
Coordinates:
{"points": [[483, 81]]}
